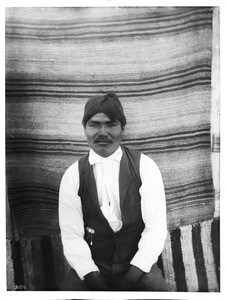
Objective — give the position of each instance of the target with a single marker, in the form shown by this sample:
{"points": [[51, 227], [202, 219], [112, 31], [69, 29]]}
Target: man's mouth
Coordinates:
{"points": [[102, 141]]}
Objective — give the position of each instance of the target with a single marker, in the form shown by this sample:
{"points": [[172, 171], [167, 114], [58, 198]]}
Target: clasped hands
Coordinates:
{"points": [[128, 283]]}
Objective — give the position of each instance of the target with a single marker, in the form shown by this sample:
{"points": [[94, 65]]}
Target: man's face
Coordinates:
{"points": [[103, 135]]}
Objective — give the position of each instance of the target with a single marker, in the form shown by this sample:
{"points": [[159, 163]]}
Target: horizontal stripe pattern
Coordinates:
{"points": [[157, 59], [171, 23], [44, 197], [133, 17], [172, 142], [34, 200], [41, 264], [174, 81]]}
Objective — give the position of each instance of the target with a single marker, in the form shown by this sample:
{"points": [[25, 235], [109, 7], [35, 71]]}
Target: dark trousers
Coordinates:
{"points": [[112, 275]]}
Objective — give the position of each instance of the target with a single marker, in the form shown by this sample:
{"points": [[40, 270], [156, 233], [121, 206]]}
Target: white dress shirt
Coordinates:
{"points": [[106, 173]]}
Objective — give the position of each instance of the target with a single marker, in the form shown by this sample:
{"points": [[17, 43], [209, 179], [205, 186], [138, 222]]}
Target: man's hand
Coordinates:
{"points": [[95, 283], [131, 279]]}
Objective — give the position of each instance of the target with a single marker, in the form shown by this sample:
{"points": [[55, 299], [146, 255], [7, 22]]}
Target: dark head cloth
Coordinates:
{"points": [[108, 104]]}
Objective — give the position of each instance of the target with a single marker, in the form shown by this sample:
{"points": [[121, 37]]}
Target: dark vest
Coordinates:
{"points": [[107, 246]]}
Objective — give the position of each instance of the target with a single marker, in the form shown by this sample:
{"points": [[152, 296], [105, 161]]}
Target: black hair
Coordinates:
{"points": [[108, 104]]}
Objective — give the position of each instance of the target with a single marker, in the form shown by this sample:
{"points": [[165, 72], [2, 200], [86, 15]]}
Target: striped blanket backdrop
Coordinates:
{"points": [[159, 61]]}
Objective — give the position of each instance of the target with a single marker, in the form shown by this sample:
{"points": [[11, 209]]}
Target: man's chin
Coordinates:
{"points": [[104, 149]]}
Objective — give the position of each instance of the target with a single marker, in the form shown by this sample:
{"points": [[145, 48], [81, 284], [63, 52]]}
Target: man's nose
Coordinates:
{"points": [[103, 130]]}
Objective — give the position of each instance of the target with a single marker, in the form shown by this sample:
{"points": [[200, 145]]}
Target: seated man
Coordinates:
{"points": [[112, 209]]}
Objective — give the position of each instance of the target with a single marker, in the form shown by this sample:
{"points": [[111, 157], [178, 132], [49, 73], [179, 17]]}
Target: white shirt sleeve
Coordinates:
{"points": [[153, 206], [76, 249]]}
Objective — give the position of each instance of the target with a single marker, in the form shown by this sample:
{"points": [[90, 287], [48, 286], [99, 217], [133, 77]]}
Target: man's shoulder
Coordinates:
{"points": [[82, 160], [131, 151], [136, 153], [71, 174], [144, 159], [73, 167]]}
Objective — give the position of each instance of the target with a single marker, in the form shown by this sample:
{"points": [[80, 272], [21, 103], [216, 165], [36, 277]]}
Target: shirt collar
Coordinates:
{"points": [[94, 158]]}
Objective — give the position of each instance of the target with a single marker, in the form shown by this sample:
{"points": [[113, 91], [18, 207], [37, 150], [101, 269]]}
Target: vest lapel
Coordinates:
{"points": [[91, 185], [92, 189], [125, 177]]}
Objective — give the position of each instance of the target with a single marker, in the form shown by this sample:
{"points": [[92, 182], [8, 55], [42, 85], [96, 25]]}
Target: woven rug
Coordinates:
{"points": [[157, 59], [190, 260]]}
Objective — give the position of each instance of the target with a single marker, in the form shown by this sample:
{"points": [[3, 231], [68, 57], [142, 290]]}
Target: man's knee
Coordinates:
{"points": [[153, 281], [72, 282]]}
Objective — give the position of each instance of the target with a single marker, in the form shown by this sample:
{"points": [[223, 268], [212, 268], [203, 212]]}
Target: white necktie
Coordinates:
{"points": [[106, 173]]}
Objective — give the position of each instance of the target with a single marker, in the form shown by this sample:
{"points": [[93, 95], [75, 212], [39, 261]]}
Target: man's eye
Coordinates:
{"points": [[111, 125], [94, 125]]}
